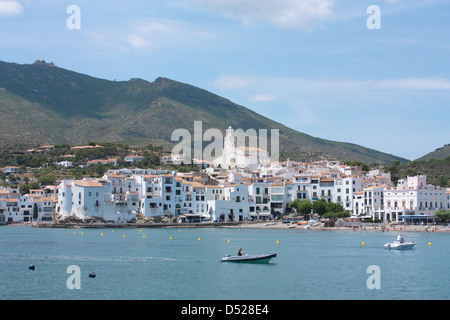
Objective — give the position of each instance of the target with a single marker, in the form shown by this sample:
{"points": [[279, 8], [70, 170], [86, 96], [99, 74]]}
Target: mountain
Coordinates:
{"points": [[44, 104], [439, 153]]}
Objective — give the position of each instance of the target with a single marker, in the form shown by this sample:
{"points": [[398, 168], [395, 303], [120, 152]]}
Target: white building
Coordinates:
{"points": [[374, 201], [237, 154], [335, 189], [133, 158], [96, 198], [228, 202], [65, 164], [15, 208], [9, 209], [413, 200]]}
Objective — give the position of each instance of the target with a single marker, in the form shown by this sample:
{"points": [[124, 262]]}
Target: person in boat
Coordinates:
{"points": [[240, 253], [400, 238]]}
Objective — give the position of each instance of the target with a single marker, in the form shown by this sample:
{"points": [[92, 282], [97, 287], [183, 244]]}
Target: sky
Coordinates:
{"points": [[374, 73]]}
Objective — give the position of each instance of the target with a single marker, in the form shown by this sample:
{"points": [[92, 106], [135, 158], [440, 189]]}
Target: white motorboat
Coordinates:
{"points": [[255, 258], [400, 244]]}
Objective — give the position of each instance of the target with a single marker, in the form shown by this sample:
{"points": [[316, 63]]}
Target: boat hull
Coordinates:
{"points": [[257, 258], [400, 246]]}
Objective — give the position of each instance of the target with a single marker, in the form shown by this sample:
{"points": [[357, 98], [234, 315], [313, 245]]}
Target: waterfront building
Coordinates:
{"points": [[228, 202], [96, 198], [9, 209], [15, 208], [413, 200]]}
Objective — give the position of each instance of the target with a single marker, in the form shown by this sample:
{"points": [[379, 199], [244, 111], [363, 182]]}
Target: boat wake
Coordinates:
{"points": [[85, 258]]}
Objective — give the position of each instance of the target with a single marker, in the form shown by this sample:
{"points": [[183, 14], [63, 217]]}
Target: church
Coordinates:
{"points": [[239, 154]]}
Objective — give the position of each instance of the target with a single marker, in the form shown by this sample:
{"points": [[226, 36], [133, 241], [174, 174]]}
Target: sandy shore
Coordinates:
{"points": [[253, 224], [392, 228]]}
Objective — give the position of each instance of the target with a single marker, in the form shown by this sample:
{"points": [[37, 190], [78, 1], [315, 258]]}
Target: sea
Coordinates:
{"points": [[184, 264]]}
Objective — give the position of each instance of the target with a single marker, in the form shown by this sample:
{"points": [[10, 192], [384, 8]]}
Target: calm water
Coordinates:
{"points": [[310, 264]]}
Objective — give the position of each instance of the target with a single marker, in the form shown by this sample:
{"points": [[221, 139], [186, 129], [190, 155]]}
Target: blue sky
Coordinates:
{"points": [[313, 65]]}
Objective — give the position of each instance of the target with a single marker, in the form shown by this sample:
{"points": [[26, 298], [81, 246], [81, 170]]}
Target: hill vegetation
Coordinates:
{"points": [[40, 166], [41, 103], [437, 171], [438, 154]]}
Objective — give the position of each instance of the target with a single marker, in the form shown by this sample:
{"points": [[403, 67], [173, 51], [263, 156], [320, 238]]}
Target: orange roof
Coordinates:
{"points": [[151, 176], [116, 175], [87, 183]]}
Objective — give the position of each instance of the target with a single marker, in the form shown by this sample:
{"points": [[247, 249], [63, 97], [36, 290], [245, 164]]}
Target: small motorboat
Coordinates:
{"points": [[400, 244], [253, 258]]}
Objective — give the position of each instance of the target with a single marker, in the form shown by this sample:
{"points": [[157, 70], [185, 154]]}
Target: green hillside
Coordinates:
{"points": [[438, 154], [44, 104]]}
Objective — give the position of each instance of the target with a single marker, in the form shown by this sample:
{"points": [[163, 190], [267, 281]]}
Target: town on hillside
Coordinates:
{"points": [[226, 192]]}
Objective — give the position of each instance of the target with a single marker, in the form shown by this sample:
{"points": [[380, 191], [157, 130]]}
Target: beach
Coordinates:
{"points": [[389, 228], [254, 225]]}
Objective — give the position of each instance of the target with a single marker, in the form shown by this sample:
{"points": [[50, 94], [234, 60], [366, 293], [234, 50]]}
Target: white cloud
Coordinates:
{"points": [[415, 84], [263, 97], [256, 82], [286, 14], [153, 34], [136, 41], [10, 8], [235, 82]]}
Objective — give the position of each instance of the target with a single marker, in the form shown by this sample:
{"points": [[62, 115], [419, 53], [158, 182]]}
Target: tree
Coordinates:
{"points": [[320, 206], [35, 212], [302, 206], [442, 180], [25, 188], [47, 179], [443, 215], [337, 215], [334, 207]]}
